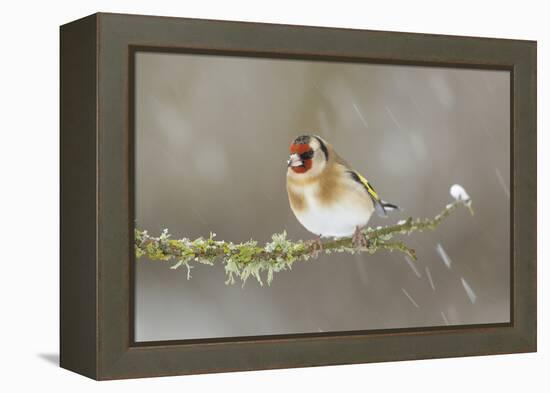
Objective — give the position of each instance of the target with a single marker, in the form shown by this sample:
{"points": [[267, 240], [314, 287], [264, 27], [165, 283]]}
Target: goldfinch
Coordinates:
{"points": [[328, 197]]}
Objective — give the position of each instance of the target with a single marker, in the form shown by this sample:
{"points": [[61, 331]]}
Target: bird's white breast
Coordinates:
{"points": [[338, 218]]}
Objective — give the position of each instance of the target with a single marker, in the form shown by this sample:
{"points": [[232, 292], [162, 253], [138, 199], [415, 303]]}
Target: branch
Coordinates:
{"points": [[243, 260]]}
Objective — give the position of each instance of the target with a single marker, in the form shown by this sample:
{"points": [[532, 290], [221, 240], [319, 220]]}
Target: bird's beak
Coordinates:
{"points": [[294, 160]]}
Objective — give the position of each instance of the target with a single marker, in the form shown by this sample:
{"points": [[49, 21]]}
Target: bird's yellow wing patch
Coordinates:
{"points": [[367, 185]]}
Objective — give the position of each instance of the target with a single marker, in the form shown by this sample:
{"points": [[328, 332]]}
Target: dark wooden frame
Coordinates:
{"points": [[97, 196]]}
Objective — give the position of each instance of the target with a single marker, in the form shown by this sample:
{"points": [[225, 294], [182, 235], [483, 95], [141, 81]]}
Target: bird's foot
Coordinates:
{"points": [[359, 239], [316, 247]]}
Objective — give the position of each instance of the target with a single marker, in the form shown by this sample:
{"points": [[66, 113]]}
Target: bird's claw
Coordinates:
{"points": [[316, 247], [359, 239]]}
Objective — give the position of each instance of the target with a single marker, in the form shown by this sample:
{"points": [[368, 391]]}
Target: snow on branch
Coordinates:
{"points": [[242, 260]]}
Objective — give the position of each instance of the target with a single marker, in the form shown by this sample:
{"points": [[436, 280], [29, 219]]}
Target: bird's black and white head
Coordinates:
{"points": [[309, 155]]}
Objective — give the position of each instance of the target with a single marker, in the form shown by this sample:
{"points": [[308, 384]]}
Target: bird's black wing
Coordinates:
{"points": [[381, 207]]}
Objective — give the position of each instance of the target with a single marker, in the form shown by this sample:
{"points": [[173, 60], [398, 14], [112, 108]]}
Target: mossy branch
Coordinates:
{"points": [[246, 259]]}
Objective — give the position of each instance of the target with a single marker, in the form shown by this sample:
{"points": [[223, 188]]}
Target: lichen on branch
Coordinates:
{"points": [[242, 260]]}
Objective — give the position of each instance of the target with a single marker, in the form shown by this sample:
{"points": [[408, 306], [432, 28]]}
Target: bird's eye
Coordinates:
{"points": [[308, 155]]}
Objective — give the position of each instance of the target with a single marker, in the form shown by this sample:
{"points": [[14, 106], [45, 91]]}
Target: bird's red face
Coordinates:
{"points": [[301, 157]]}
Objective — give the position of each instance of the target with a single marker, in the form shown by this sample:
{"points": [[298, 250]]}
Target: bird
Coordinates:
{"points": [[327, 196]]}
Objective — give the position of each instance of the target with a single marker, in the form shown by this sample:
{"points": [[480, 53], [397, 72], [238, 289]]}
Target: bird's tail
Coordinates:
{"points": [[389, 206], [383, 207]]}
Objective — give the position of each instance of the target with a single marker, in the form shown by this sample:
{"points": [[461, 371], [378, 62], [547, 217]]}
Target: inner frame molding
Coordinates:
{"points": [[137, 49]]}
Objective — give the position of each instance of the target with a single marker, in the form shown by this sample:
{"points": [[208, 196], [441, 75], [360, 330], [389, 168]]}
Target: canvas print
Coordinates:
{"points": [[300, 196]]}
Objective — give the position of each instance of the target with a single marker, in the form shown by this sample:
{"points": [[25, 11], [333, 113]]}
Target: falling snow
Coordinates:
{"points": [[469, 291], [444, 257], [412, 266], [430, 278], [502, 183], [393, 118], [445, 318], [363, 120], [410, 298]]}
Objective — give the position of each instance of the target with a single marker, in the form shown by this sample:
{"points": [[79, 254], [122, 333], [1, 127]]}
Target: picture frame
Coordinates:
{"points": [[97, 196]]}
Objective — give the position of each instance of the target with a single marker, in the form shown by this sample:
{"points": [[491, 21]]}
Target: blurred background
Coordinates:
{"points": [[212, 138]]}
